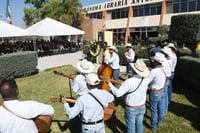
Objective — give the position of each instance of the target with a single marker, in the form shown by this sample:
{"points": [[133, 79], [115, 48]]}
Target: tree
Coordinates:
{"points": [[66, 11], [186, 29], [163, 31]]}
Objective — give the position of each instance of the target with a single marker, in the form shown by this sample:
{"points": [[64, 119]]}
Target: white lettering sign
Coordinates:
{"points": [[114, 4]]}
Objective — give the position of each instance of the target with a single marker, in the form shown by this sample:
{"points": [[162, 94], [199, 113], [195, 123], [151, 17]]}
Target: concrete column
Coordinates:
{"points": [[130, 15], [163, 12]]}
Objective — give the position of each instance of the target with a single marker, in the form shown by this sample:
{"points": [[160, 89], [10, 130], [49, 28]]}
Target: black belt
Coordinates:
{"points": [[91, 123]]}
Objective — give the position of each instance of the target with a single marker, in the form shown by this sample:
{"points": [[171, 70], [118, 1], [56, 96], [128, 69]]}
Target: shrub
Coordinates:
{"points": [[122, 58], [185, 28], [184, 51], [198, 52], [142, 52], [159, 38], [187, 72], [18, 64]]}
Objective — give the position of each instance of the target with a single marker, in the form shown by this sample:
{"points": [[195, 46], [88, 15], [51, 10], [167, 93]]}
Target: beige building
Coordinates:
{"points": [[133, 18]]}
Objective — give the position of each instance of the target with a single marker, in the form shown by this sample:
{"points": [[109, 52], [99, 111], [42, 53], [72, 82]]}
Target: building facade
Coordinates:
{"points": [[132, 19]]}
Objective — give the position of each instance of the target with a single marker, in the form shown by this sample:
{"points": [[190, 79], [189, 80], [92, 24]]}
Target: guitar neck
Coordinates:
{"points": [[64, 75], [60, 99], [111, 80], [115, 82]]}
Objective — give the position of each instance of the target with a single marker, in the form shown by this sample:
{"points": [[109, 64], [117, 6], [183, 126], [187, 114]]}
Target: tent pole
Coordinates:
{"points": [[34, 43]]}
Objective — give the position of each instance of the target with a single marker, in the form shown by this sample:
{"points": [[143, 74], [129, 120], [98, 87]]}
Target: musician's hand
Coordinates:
{"points": [[63, 100], [107, 80], [126, 54]]}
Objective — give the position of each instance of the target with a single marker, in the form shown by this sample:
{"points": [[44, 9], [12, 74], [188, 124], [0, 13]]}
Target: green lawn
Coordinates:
{"points": [[183, 115]]}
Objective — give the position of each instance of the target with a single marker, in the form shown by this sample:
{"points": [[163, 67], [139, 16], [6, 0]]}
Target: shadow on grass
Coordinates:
{"points": [[115, 125], [74, 125], [188, 112], [191, 94]]}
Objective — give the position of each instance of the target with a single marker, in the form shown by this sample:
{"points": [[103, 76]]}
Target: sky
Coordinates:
{"points": [[17, 10]]}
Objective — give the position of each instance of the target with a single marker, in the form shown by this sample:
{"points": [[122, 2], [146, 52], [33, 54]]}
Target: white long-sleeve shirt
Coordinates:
{"points": [[168, 66], [136, 98], [131, 55], [79, 85], [90, 109], [157, 78], [10, 123], [173, 58], [113, 61]]}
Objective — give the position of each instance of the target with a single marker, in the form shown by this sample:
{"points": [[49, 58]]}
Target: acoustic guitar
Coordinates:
{"points": [[107, 111], [43, 123]]}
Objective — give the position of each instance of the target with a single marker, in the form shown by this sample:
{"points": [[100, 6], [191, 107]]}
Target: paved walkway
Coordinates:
{"points": [[62, 60]]}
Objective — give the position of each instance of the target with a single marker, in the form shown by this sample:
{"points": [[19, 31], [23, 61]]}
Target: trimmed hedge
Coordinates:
{"points": [[18, 64], [187, 74]]}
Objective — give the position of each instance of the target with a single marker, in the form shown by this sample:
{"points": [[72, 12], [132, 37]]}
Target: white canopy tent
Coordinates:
{"points": [[8, 30], [50, 27]]}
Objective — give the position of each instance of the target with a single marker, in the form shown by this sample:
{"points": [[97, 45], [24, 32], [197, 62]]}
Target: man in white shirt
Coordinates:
{"points": [[173, 58], [157, 79], [79, 84], [130, 56], [134, 89], [16, 116], [168, 65], [91, 106], [113, 62]]}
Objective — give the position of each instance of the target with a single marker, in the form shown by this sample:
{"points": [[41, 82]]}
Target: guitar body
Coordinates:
{"points": [[43, 123], [109, 111]]}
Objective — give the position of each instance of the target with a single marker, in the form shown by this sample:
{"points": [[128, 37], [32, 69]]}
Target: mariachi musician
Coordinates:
{"points": [[79, 85], [134, 89], [91, 106], [130, 57], [113, 62]]}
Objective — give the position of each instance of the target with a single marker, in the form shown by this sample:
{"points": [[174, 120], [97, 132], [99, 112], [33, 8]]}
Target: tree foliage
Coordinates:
{"points": [[66, 11], [185, 28], [163, 29]]}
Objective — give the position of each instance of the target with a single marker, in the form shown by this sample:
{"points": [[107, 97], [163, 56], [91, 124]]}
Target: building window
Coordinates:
{"points": [[192, 6], [159, 8], [176, 8], [141, 11], [198, 5], [135, 12], [184, 6], [96, 15], [120, 13], [153, 10], [146, 10], [169, 8]]}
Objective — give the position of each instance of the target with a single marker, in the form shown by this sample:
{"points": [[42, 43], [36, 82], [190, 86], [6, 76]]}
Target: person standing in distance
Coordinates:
{"points": [[130, 57]]}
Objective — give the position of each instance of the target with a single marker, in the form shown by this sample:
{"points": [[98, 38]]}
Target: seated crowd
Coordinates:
{"points": [[43, 47]]}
